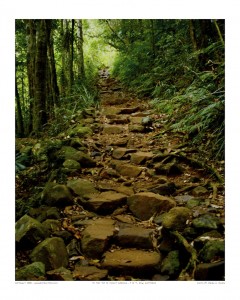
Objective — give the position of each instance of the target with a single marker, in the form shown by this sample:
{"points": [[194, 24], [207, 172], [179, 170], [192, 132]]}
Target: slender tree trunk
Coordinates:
{"points": [[153, 39], [39, 109], [71, 55], [219, 32], [54, 91], [19, 117], [193, 35], [31, 53], [81, 71]]}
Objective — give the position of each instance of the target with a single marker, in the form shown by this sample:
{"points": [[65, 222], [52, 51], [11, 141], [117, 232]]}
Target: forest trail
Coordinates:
{"points": [[140, 208]]}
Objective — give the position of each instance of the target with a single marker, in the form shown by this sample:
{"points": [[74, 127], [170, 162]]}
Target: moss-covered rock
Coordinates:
{"points": [[206, 221], [57, 195], [171, 264], [176, 218], [30, 272], [212, 250], [52, 252]]}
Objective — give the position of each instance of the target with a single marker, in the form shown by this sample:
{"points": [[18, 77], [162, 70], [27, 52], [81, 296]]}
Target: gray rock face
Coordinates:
{"points": [[145, 205], [136, 237], [176, 218], [52, 252], [57, 195], [30, 272], [106, 202], [29, 231], [82, 187], [95, 237]]}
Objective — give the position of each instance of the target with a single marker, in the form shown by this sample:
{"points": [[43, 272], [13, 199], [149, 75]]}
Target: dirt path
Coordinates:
{"points": [[143, 209]]}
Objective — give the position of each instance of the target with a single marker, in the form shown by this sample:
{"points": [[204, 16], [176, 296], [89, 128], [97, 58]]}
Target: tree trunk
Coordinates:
{"points": [[19, 117], [39, 109], [81, 71], [193, 35]]}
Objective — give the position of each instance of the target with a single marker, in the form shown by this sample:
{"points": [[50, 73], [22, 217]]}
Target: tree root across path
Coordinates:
{"points": [[188, 272]]}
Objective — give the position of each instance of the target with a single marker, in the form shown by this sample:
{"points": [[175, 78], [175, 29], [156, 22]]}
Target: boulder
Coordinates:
{"points": [[200, 241], [95, 237], [171, 265], [206, 221], [30, 272], [106, 202], [60, 274], [131, 260], [135, 237], [52, 252], [81, 187], [139, 158], [52, 225], [176, 218], [212, 250], [80, 131], [89, 273], [71, 164], [28, 232], [128, 170], [57, 195], [170, 169], [144, 205], [165, 189]]}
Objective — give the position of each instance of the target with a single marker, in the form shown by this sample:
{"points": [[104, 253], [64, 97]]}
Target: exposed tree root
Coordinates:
{"points": [[189, 271]]}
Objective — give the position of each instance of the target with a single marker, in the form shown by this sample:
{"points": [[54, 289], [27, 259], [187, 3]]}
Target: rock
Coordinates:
{"points": [[193, 202], [125, 219], [147, 121], [171, 265], [136, 128], [43, 212], [129, 110], [30, 272], [28, 232], [72, 164], [206, 221], [60, 274], [212, 250], [65, 235], [52, 225], [119, 142], [68, 152], [183, 199], [113, 129], [82, 187], [176, 218], [95, 237], [200, 241], [159, 277], [126, 190], [74, 248], [199, 191], [109, 173], [52, 252], [135, 237], [57, 195], [128, 170], [80, 131], [165, 189], [89, 273], [118, 153], [131, 260], [106, 202], [139, 158], [116, 119], [210, 271], [136, 120], [170, 169], [145, 205]]}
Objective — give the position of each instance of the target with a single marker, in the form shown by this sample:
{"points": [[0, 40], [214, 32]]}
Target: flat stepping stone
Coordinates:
{"points": [[118, 153], [117, 119], [113, 129], [82, 187], [129, 110], [89, 273], [128, 170], [136, 120], [141, 157], [106, 202], [131, 259], [136, 128], [135, 237]]}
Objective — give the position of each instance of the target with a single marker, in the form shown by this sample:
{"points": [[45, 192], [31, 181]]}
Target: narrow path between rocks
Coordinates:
{"points": [[140, 208]]}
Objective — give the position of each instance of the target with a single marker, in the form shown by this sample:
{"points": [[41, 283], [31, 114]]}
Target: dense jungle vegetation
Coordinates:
{"points": [[176, 64]]}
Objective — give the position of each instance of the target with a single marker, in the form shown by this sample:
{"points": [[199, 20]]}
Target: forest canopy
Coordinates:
{"points": [[176, 64]]}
